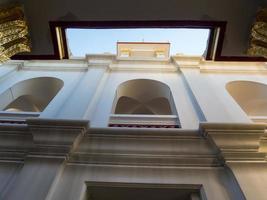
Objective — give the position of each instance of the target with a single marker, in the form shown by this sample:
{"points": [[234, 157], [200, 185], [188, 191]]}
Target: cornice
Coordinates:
{"points": [[15, 142], [50, 65], [213, 145], [236, 142], [232, 67], [55, 137], [205, 66], [145, 147], [40, 138], [197, 160]]}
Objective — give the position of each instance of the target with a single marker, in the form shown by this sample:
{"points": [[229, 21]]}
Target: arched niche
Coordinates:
{"points": [[144, 97], [31, 95], [251, 96]]}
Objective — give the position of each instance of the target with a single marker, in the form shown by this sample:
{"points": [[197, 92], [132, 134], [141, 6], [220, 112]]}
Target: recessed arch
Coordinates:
{"points": [[144, 96], [31, 95], [251, 96]]}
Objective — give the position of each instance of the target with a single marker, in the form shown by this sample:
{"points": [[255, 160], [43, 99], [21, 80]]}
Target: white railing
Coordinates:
{"points": [[144, 120]]}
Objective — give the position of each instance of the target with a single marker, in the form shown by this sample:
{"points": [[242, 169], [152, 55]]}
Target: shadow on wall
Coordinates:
{"points": [[145, 97], [251, 96], [31, 95]]}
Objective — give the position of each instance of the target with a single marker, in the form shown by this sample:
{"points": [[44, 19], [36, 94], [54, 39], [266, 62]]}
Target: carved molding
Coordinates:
{"points": [[236, 142], [40, 138], [55, 137], [15, 142], [145, 147]]}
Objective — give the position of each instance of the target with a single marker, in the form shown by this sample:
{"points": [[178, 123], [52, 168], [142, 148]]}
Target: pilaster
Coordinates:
{"points": [[236, 142], [42, 146], [241, 148]]}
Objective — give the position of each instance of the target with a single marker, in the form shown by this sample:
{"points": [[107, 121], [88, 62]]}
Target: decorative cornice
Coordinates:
{"points": [[177, 160], [145, 147], [186, 61], [15, 142], [232, 67], [236, 142], [215, 144], [55, 137], [40, 138]]}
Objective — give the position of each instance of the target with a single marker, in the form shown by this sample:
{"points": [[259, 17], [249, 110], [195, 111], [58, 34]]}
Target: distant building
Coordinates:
{"points": [[137, 125]]}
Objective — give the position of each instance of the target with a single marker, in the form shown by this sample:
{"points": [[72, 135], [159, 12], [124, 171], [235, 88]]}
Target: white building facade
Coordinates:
{"points": [[139, 124]]}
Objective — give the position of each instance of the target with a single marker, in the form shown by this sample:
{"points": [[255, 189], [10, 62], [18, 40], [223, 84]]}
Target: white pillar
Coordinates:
{"points": [[77, 103]]}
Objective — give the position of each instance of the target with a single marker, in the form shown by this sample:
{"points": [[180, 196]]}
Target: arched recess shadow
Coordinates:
{"points": [[251, 96], [31, 95], [144, 96]]}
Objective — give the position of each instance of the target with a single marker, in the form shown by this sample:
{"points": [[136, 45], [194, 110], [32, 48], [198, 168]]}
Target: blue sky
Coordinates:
{"points": [[186, 41]]}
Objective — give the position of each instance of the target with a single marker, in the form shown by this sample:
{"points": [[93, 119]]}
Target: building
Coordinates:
{"points": [[139, 124]]}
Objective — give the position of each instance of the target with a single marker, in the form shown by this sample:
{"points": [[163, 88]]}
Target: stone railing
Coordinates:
{"points": [[144, 121]]}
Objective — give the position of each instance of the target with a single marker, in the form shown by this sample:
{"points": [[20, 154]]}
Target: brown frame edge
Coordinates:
{"points": [[215, 42]]}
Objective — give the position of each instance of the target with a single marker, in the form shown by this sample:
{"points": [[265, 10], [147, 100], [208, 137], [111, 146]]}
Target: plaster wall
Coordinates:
{"points": [[12, 75], [88, 93], [34, 179], [215, 102], [252, 178], [8, 175], [184, 107], [217, 182], [78, 104]]}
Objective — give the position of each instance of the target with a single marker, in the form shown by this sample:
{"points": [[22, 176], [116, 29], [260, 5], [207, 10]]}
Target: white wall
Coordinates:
{"points": [[89, 92], [73, 181], [69, 78], [215, 101], [186, 113]]}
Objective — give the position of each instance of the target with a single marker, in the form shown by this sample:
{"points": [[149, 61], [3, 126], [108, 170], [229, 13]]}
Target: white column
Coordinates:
{"points": [[35, 179], [214, 106], [77, 104]]}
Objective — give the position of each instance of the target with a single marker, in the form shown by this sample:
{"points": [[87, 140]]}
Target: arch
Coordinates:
{"points": [[144, 96], [31, 95], [251, 96]]}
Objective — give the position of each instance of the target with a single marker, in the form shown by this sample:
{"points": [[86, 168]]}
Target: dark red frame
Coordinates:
{"points": [[213, 52]]}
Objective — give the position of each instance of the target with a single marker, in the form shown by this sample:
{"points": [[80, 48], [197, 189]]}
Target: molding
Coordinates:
{"points": [[146, 159], [232, 67], [15, 142], [40, 138], [145, 147], [144, 133], [55, 137], [186, 61], [236, 142], [16, 116], [193, 191], [60, 65], [258, 119], [143, 67], [213, 145], [100, 60], [144, 119], [192, 62]]}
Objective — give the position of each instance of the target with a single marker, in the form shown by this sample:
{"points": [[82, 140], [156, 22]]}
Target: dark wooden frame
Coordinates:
{"points": [[214, 50]]}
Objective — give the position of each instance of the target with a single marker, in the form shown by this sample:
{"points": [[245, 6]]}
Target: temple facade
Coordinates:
{"points": [[140, 124]]}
